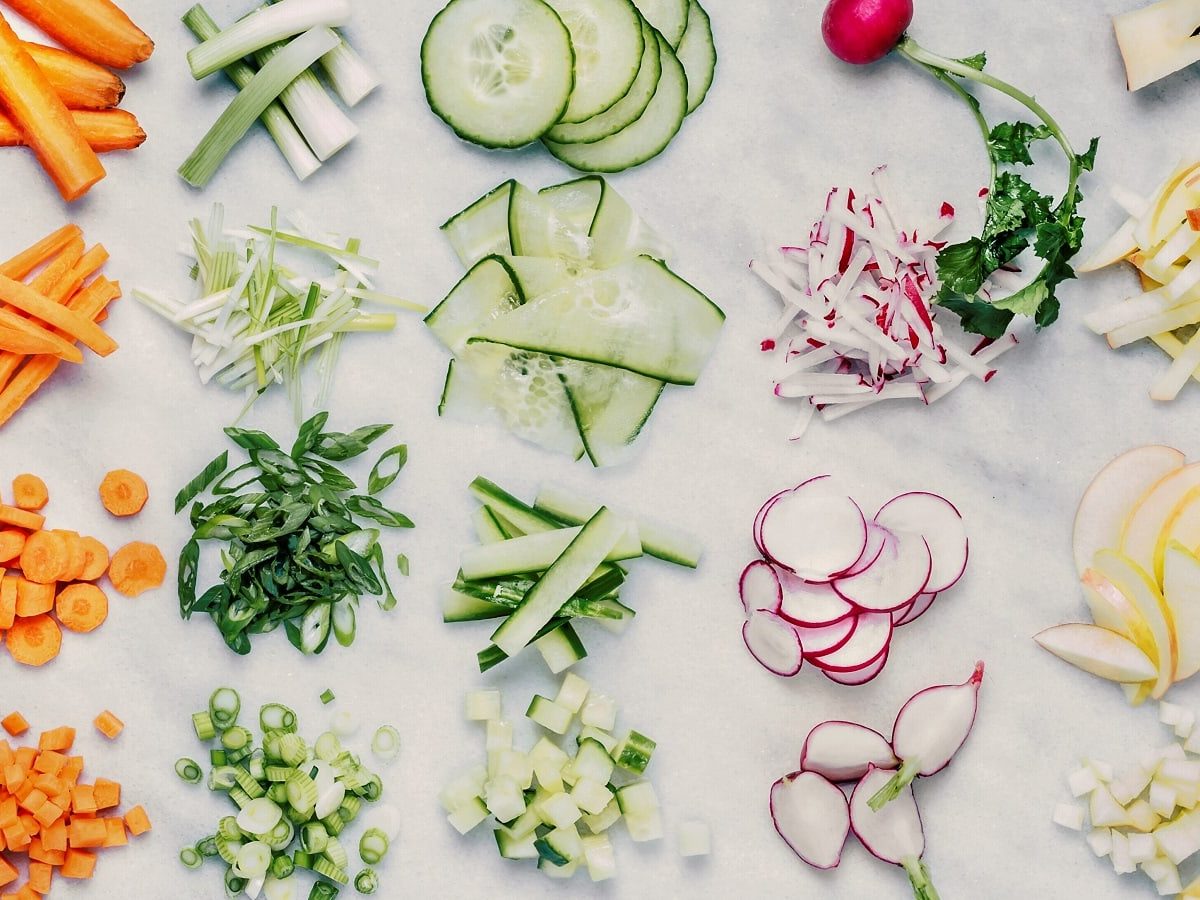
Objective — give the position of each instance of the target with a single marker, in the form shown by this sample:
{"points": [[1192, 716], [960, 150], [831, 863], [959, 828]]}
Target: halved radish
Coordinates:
{"points": [[773, 642], [941, 524], [897, 577], [919, 607], [827, 638], [812, 816], [810, 604], [869, 641], [859, 677], [844, 751], [759, 587], [815, 531], [876, 538]]}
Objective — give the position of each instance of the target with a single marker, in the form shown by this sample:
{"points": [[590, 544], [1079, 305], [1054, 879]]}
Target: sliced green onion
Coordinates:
{"points": [[207, 847], [327, 869], [276, 717], [344, 621], [302, 792], [203, 724], [278, 792], [372, 790], [191, 857], [327, 747], [327, 696], [366, 881], [386, 743], [349, 73], [325, 127], [234, 884], [322, 890], [350, 808], [218, 757], [259, 816], [314, 628], [279, 774], [282, 866], [263, 27], [189, 770], [292, 749], [228, 848], [253, 861], [281, 836], [222, 778], [302, 860], [402, 564], [228, 829], [224, 706], [256, 767], [240, 797], [314, 838], [246, 782], [345, 723], [334, 823], [373, 846], [236, 738]]}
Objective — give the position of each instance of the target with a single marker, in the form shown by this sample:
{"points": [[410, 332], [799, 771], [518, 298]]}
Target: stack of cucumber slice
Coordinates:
{"points": [[568, 325], [604, 84]]}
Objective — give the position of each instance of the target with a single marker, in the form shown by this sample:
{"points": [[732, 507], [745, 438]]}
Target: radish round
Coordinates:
{"points": [[827, 638], [941, 524], [815, 531], [863, 31], [758, 518], [899, 614], [896, 578], [876, 538], [919, 607], [894, 834], [773, 642], [844, 751], [859, 677], [812, 817], [866, 645], [759, 587], [811, 604]]}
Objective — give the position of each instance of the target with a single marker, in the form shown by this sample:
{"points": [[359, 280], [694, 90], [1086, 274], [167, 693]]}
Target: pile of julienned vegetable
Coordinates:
{"points": [[293, 547], [1136, 536], [272, 55], [1017, 217], [296, 802], [265, 312], [603, 84], [47, 305], [54, 571], [811, 812], [49, 818], [568, 325], [542, 567]]}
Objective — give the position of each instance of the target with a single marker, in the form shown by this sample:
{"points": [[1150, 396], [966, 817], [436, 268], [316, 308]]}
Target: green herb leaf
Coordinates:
{"points": [[402, 564], [197, 485], [1009, 141], [189, 562], [978, 316], [387, 469], [978, 61], [1087, 161], [376, 511]]}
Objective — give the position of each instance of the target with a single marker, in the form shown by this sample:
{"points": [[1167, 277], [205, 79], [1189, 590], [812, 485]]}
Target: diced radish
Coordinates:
{"points": [[773, 642], [897, 577], [827, 638], [809, 604], [859, 677], [876, 539], [812, 816], [815, 531], [938, 521], [868, 642], [920, 606], [759, 587], [844, 751], [894, 833]]}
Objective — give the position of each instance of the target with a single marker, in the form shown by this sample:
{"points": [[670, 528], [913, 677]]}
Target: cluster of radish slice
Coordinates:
{"points": [[811, 811], [831, 586], [859, 323]]}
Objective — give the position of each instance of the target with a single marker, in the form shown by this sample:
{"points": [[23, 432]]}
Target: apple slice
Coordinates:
{"points": [[1181, 590], [1113, 610], [1112, 493], [1146, 521], [1143, 594], [1115, 249], [1183, 525], [1157, 40], [1098, 651]]}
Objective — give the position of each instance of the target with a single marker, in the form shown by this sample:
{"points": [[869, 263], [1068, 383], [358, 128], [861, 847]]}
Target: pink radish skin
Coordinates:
{"points": [[896, 578], [893, 834], [941, 524], [774, 643], [815, 531], [859, 677], [845, 751], [930, 728], [920, 606], [812, 817], [811, 605], [870, 641], [827, 639], [863, 31], [898, 615], [759, 587]]}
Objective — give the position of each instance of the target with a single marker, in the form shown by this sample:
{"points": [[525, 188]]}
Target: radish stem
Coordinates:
{"points": [[906, 775], [918, 874]]}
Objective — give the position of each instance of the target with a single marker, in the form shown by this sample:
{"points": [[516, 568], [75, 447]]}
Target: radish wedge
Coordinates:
{"points": [[894, 833], [759, 587], [809, 604], [869, 641], [812, 817], [859, 677], [1099, 652], [919, 607], [896, 578], [844, 751], [941, 524], [815, 531], [773, 642], [827, 638]]}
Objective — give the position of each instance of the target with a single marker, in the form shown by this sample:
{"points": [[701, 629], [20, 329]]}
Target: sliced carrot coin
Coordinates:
{"points": [[29, 492], [34, 641], [33, 599], [76, 556], [12, 542], [81, 607], [123, 493], [44, 557], [95, 559], [137, 567]]}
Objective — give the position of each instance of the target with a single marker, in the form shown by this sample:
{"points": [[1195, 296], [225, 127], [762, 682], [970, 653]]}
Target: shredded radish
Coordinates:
{"points": [[859, 321]]}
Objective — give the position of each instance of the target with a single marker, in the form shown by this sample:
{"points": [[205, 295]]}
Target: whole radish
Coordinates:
{"points": [[893, 834], [929, 729], [863, 31]]}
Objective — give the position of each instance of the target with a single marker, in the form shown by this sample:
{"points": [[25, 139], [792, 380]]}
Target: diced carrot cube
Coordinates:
{"points": [[8, 811], [31, 825], [54, 838], [49, 761], [14, 775], [83, 798], [72, 770], [137, 821], [33, 801], [14, 723], [86, 833], [16, 837], [38, 852], [8, 874], [40, 876], [109, 725], [116, 836], [49, 785], [57, 738], [25, 892], [24, 757], [107, 793], [48, 813], [79, 864], [7, 756]]}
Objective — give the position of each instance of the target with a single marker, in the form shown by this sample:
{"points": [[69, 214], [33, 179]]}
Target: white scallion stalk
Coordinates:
{"points": [[265, 27], [251, 102], [349, 74], [325, 127]]}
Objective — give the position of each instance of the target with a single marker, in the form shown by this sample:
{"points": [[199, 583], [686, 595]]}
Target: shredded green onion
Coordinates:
{"points": [[189, 770]]}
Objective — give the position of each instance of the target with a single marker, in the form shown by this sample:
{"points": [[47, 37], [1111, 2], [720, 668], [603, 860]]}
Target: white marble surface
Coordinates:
{"points": [[783, 122]]}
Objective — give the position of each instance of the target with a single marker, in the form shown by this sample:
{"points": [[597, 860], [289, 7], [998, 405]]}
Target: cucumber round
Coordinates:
{"points": [[608, 42], [698, 54], [625, 111], [498, 72], [669, 17], [645, 138]]}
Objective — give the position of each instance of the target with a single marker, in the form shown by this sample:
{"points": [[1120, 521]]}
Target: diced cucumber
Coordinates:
{"points": [[536, 275], [572, 693], [599, 856], [483, 706], [548, 776], [643, 139], [605, 820], [499, 735], [534, 229], [591, 796], [600, 736], [459, 607], [482, 228], [513, 847], [535, 553], [561, 648], [576, 201], [593, 762], [545, 750], [549, 714], [661, 541], [607, 38], [558, 810], [487, 291], [553, 870], [526, 823], [464, 788], [468, 816], [698, 55], [565, 842], [670, 17], [639, 806], [625, 111], [600, 711], [503, 798], [634, 752], [498, 72], [610, 406], [694, 838], [515, 765]]}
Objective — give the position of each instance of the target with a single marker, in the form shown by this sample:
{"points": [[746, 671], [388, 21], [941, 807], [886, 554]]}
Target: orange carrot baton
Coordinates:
{"points": [[95, 29]]}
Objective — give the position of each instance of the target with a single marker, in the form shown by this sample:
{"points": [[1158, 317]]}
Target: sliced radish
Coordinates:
{"points": [[760, 515], [812, 817], [899, 614], [876, 538], [919, 607], [941, 524], [815, 531], [810, 604], [844, 751], [859, 677], [827, 638], [759, 587], [893, 834], [896, 578], [773, 642], [869, 641]]}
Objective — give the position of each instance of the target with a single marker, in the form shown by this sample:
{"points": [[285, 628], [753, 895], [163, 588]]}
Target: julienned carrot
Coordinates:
{"points": [[96, 29], [79, 83], [63, 318], [42, 117], [17, 332], [29, 492], [81, 270], [81, 607], [137, 567], [123, 493], [105, 130], [21, 265], [34, 641], [58, 267]]}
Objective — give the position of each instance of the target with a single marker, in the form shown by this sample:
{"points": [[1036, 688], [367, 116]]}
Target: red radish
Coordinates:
{"points": [[758, 519], [876, 539], [899, 614], [812, 817], [759, 587], [941, 524], [869, 641], [809, 604], [773, 642], [929, 730], [859, 677], [844, 751], [896, 578], [815, 531], [863, 31], [827, 638], [919, 607], [893, 834]]}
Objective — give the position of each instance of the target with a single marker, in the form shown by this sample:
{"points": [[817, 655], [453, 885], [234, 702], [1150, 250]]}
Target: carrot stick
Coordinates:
{"points": [[41, 115], [80, 84], [58, 267], [72, 323], [96, 29], [84, 268], [26, 261], [15, 331], [104, 130]]}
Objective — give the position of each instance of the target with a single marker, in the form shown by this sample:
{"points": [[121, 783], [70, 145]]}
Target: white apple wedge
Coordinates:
{"points": [[1140, 534], [1157, 40], [1115, 249], [1183, 526], [1099, 652], [1118, 487], [1113, 610], [1143, 594], [1181, 590]]}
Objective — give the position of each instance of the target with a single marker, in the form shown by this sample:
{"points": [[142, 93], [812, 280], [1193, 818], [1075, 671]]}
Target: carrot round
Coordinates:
{"points": [[33, 599], [95, 559], [76, 555], [81, 607], [123, 493], [29, 492], [8, 601], [45, 557], [137, 567], [12, 542], [79, 83], [35, 641]]}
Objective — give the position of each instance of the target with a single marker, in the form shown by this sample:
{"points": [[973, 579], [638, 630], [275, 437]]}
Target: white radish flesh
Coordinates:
{"points": [[811, 604], [827, 638], [896, 578], [859, 677], [773, 642], [815, 531], [812, 817], [844, 751], [759, 587], [894, 833], [919, 607], [938, 521], [876, 538], [870, 640]]}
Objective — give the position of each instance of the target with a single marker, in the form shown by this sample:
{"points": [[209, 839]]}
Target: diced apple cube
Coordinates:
{"points": [[1101, 841], [1082, 781], [1068, 815]]}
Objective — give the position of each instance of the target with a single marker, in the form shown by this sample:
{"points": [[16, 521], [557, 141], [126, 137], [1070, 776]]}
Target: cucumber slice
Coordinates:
{"points": [[534, 229], [534, 553], [459, 607], [487, 291], [576, 201], [608, 42], [625, 111], [698, 55], [611, 406], [498, 72], [509, 508], [669, 17], [536, 275], [644, 139], [638, 316], [618, 234], [482, 228]]}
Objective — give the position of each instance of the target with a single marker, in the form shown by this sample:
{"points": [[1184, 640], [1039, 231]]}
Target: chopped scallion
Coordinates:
{"points": [[263, 27], [372, 846], [189, 770], [386, 742], [366, 881], [327, 696], [191, 858]]}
